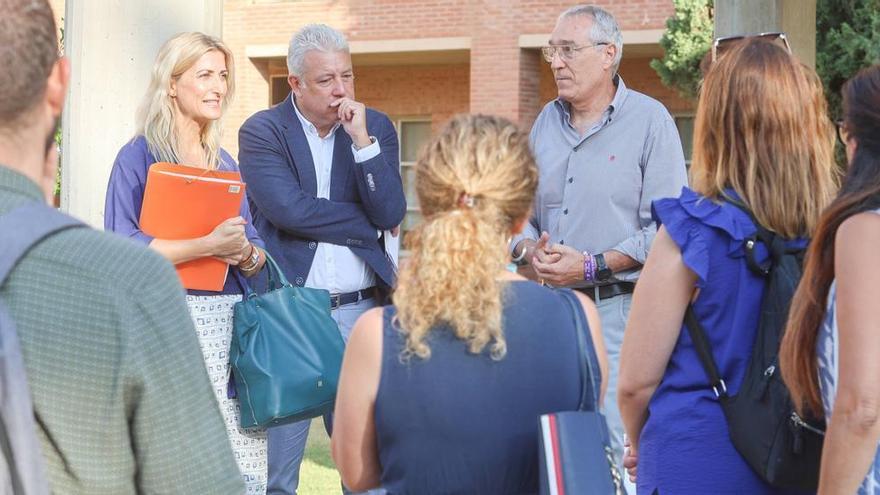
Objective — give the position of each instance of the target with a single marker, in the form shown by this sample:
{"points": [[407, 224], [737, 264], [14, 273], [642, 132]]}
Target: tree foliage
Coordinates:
{"points": [[847, 39], [687, 38]]}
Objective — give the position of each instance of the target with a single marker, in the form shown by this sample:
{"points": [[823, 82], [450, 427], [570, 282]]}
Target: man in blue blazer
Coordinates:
{"points": [[323, 179]]}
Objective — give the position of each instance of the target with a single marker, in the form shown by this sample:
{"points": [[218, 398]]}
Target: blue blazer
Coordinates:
{"points": [[277, 166]]}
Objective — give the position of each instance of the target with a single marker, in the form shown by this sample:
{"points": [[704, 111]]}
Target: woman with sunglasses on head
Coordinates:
{"points": [[179, 120], [761, 140], [830, 350]]}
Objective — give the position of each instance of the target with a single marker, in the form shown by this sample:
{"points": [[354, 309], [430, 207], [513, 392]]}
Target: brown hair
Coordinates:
{"points": [[860, 192], [28, 51], [762, 130], [474, 181]]}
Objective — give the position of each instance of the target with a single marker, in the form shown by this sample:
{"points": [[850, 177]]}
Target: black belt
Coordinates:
{"points": [[608, 291], [337, 300]]}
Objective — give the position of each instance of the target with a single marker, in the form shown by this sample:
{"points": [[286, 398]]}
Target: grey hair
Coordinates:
{"points": [[313, 37], [604, 30]]}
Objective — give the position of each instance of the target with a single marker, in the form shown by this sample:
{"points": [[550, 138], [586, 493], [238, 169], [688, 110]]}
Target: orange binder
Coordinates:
{"points": [[182, 202]]}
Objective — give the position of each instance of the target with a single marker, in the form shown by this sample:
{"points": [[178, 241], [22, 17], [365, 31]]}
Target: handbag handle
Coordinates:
{"points": [[589, 367], [276, 278]]}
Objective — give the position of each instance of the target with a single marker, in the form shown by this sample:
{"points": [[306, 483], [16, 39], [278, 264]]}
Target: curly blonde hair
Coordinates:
{"points": [[475, 182]]}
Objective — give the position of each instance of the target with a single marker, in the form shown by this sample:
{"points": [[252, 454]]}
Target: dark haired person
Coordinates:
{"points": [[829, 352]]}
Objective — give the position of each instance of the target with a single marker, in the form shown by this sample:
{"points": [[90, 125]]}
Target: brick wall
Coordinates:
{"points": [[501, 78], [637, 75]]}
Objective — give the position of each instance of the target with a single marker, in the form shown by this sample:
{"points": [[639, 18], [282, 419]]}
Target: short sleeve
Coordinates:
{"points": [[685, 231], [696, 223]]}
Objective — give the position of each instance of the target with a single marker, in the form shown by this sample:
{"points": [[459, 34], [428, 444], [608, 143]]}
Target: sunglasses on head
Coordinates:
{"points": [[722, 45]]}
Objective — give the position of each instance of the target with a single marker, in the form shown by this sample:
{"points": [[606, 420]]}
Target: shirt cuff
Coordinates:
{"points": [[367, 152]]}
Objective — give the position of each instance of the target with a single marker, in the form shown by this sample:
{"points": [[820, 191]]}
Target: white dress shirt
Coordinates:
{"points": [[335, 268]]}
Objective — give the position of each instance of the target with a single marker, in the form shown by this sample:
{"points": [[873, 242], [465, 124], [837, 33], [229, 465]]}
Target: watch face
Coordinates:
{"points": [[603, 275]]}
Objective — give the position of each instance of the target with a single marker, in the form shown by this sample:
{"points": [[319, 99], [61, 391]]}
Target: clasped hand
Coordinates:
{"points": [[228, 241], [557, 264]]}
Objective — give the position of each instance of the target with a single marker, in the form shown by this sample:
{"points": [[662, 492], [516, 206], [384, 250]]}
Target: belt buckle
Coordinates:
{"points": [[335, 301]]}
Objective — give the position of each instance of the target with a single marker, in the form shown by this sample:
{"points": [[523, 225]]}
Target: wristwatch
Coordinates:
{"points": [[603, 273]]}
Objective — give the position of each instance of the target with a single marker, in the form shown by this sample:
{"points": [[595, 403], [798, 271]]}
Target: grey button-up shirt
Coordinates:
{"points": [[595, 190]]}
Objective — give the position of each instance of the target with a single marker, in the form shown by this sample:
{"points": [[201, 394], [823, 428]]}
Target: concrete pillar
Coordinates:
{"points": [[796, 18], [111, 45]]}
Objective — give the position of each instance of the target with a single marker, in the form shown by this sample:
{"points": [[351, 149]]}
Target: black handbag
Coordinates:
{"points": [[575, 446]]}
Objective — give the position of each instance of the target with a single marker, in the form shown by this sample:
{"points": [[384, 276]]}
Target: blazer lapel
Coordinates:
{"points": [[298, 146], [343, 163]]}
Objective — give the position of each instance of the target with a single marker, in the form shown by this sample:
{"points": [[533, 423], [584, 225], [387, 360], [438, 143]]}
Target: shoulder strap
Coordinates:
{"points": [[591, 375], [24, 227], [704, 352], [21, 229]]}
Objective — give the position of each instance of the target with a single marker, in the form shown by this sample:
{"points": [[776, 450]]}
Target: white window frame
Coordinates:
{"points": [[685, 115], [398, 124]]}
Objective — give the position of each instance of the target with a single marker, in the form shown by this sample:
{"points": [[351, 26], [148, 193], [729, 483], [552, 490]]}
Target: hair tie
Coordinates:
{"points": [[465, 200]]}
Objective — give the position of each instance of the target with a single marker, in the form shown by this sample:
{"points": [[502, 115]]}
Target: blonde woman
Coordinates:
{"points": [[179, 122], [761, 139], [441, 392]]}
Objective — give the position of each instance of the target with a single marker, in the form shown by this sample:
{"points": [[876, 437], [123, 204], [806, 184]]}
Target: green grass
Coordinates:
{"points": [[318, 475]]}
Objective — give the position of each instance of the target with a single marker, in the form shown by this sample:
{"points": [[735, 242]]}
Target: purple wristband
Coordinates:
{"points": [[588, 267]]}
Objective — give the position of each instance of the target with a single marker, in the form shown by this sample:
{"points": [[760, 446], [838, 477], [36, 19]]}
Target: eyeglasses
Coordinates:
{"points": [[842, 133], [721, 45], [566, 52]]}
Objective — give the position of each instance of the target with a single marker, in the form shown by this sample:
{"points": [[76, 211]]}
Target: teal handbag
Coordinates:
{"points": [[285, 354]]}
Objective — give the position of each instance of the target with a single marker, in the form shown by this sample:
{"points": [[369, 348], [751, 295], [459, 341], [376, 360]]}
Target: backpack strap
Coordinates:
{"points": [[24, 227], [21, 228], [591, 375], [704, 352]]}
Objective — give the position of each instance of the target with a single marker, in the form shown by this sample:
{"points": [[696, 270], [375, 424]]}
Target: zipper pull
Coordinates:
{"points": [[768, 376]]}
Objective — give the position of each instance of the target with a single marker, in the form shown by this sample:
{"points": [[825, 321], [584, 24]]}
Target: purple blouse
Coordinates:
{"points": [[125, 194]]}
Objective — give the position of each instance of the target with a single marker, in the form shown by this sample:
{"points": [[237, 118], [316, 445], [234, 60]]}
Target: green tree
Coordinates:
{"points": [[847, 39], [687, 38]]}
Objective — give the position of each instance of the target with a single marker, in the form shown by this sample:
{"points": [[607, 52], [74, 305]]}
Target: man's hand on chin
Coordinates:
{"points": [[353, 116]]}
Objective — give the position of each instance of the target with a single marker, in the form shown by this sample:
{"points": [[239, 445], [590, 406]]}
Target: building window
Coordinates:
{"points": [[278, 89], [414, 134], [685, 125]]}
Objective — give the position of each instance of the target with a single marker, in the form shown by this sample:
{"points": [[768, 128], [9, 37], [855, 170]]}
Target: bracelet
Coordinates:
{"points": [[589, 266], [252, 261], [516, 260]]}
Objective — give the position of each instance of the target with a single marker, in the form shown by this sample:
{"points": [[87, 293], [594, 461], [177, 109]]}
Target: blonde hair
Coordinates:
{"points": [[155, 115], [474, 182], [762, 129]]}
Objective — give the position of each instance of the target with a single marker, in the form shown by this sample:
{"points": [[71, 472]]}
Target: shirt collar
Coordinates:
{"points": [[620, 93], [15, 182], [308, 126]]}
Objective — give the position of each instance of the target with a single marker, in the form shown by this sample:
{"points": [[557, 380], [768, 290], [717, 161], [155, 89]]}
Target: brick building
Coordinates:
{"points": [[422, 61]]}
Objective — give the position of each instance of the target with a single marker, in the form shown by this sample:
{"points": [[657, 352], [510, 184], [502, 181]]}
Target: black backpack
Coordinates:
{"points": [[780, 446], [21, 462]]}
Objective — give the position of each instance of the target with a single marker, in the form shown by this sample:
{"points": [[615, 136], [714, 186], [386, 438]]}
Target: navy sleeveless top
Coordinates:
{"points": [[464, 423]]}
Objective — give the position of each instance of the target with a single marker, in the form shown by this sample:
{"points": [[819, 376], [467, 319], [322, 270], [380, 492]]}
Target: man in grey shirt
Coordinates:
{"points": [[604, 153]]}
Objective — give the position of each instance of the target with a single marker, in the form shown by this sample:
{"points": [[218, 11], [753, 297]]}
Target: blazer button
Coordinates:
{"points": [[299, 281], [313, 245]]}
